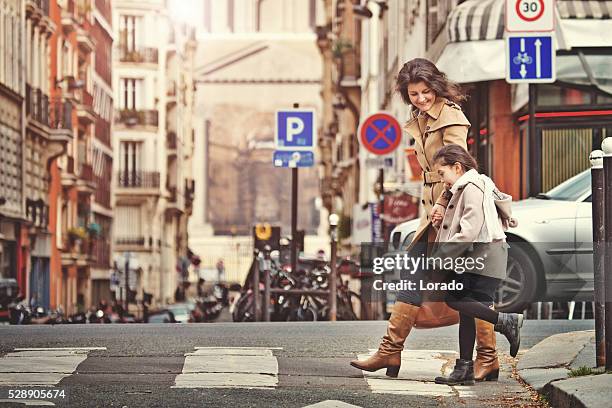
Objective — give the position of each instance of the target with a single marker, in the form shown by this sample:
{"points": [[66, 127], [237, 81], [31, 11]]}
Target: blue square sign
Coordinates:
{"points": [[286, 158], [530, 58], [295, 129]]}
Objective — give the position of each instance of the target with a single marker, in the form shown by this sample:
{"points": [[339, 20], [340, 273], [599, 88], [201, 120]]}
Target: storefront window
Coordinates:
{"points": [[555, 95]]}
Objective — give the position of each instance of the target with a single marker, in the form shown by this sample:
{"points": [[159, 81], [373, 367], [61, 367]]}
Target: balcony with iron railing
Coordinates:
{"points": [[84, 108], [133, 243], [138, 179], [37, 105], [60, 121], [137, 55], [60, 114], [135, 117], [85, 182]]}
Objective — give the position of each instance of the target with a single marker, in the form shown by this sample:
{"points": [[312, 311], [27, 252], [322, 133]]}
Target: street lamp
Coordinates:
{"points": [[333, 230]]}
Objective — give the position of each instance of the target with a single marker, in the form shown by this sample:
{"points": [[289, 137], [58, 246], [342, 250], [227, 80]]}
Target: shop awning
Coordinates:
{"points": [[475, 30]]}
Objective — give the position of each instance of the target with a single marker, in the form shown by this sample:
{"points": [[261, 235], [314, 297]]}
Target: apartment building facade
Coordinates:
{"points": [[152, 141], [254, 57], [13, 228]]}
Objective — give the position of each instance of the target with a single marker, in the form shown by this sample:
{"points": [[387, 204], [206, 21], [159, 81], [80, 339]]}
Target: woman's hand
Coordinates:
{"points": [[437, 214]]}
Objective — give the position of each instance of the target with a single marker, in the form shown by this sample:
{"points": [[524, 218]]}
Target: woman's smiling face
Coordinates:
{"points": [[421, 96]]}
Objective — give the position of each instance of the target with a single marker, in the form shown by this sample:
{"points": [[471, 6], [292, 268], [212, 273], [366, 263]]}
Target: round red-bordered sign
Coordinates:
{"points": [[380, 133], [520, 12]]}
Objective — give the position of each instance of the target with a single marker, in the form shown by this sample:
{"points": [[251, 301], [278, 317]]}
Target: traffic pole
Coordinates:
{"points": [[599, 239], [294, 211], [333, 288], [606, 146], [381, 212], [266, 271], [255, 284], [127, 280]]}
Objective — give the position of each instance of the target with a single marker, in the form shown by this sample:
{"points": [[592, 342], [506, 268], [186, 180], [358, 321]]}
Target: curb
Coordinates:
{"points": [[547, 365]]}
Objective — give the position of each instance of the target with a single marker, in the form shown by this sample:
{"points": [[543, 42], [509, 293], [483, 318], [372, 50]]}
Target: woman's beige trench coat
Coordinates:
{"points": [[442, 125]]}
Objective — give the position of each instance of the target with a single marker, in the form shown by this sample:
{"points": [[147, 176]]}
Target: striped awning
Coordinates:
{"points": [[480, 20]]}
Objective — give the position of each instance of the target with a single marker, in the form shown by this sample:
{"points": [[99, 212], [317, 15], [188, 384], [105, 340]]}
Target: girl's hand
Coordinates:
{"points": [[437, 214]]}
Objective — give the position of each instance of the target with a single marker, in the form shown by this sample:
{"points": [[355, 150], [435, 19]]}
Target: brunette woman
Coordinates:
{"points": [[437, 121]]}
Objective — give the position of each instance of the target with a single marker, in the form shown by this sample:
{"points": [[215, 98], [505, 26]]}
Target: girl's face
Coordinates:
{"points": [[449, 173], [421, 96]]}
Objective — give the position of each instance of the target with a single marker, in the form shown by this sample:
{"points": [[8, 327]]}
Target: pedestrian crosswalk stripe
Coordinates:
{"points": [[229, 367], [44, 366], [332, 404], [416, 376]]}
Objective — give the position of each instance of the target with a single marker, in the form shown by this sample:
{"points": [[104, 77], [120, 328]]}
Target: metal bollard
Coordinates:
{"points": [[266, 270], [606, 146], [333, 306], [597, 188], [255, 283]]}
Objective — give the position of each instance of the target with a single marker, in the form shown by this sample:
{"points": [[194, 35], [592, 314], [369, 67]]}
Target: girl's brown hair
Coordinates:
{"points": [[423, 70], [451, 154]]}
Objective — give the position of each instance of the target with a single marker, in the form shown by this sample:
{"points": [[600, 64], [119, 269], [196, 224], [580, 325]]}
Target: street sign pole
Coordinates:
{"points": [[597, 180], [255, 283], [127, 277], [294, 211], [381, 175], [266, 271]]}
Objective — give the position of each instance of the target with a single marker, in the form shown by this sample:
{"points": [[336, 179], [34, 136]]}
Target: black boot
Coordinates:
{"points": [[463, 374], [509, 324]]}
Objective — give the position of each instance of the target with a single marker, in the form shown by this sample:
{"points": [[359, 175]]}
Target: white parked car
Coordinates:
{"points": [[551, 250]]}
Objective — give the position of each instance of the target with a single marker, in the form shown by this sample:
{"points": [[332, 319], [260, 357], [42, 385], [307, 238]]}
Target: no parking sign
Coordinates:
{"points": [[380, 133]]}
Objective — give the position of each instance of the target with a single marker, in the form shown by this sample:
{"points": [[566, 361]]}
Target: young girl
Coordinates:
{"points": [[473, 227]]}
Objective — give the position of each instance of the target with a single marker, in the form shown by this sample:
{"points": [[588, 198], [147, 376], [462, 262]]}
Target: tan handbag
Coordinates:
{"points": [[433, 311]]}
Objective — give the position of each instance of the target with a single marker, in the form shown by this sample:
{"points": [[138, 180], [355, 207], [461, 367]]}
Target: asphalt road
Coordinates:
{"points": [[138, 365]]}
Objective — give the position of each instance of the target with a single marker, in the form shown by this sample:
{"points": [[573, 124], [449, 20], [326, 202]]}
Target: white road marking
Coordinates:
{"points": [[43, 367], [28, 402], [332, 404], [416, 376], [229, 367]]}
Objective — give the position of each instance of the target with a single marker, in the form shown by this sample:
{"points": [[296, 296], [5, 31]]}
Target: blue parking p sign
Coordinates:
{"points": [[530, 58], [295, 129]]}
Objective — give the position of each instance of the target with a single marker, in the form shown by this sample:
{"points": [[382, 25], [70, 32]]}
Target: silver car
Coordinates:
{"points": [[551, 250]]}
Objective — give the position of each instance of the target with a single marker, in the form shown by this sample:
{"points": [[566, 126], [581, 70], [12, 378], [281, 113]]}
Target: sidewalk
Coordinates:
{"points": [[547, 367]]}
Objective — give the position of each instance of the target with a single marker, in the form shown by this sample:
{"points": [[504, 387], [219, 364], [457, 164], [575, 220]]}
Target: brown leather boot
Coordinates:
{"points": [[486, 366], [390, 350]]}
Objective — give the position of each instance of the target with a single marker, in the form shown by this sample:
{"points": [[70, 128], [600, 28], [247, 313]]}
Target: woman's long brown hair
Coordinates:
{"points": [[423, 70]]}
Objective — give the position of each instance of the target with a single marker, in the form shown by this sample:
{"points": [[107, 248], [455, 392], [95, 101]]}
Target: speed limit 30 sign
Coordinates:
{"points": [[530, 15]]}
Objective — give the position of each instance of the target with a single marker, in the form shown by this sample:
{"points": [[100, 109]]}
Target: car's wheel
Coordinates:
{"points": [[520, 287]]}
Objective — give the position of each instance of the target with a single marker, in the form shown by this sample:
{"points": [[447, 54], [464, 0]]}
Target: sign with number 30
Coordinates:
{"points": [[530, 15]]}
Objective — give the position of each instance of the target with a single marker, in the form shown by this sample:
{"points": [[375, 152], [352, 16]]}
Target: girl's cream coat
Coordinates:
{"points": [[463, 220]]}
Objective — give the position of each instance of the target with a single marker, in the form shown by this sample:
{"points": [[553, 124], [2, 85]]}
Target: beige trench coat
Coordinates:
{"points": [[461, 225], [442, 125]]}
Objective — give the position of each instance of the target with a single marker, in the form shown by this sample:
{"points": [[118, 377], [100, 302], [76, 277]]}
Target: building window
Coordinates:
{"points": [[130, 90], [128, 32], [130, 157]]}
